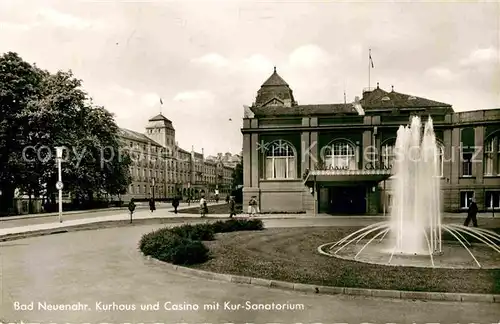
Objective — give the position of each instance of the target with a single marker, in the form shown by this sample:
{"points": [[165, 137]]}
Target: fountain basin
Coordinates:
{"points": [[453, 255]]}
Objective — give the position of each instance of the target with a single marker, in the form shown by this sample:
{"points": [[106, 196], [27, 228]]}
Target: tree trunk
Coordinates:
{"points": [[30, 207], [7, 200]]}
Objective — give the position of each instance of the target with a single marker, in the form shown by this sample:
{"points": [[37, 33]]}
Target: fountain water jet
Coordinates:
{"points": [[415, 225]]}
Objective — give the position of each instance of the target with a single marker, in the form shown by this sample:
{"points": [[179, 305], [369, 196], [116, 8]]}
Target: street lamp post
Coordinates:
{"points": [[153, 180], [59, 184]]}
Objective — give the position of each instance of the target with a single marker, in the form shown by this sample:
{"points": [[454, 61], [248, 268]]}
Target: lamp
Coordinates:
{"points": [[311, 190]]}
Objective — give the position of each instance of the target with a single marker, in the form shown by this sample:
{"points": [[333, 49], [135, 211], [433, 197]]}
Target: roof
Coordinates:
{"points": [[136, 136], [160, 117], [274, 89], [305, 110], [274, 80], [379, 99]]}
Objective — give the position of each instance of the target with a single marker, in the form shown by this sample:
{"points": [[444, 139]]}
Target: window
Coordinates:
{"points": [[340, 155], [492, 200], [387, 156], [440, 160], [465, 197], [467, 164], [280, 161], [488, 157]]}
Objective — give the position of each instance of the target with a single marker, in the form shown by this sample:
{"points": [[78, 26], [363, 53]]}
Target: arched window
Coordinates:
{"points": [[340, 154], [280, 161], [492, 153]]}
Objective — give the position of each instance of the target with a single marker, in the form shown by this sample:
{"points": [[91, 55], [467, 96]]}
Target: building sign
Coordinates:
{"points": [[377, 166], [367, 166]]}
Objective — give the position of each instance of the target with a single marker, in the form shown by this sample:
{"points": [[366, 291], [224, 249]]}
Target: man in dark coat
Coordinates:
{"points": [[471, 214], [175, 204], [232, 207], [152, 205]]}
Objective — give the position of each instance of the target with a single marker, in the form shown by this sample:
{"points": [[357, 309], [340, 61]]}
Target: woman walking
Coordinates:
{"points": [[203, 207]]}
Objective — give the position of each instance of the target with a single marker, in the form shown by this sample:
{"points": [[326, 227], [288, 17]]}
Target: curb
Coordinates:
{"points": [[329, 290]]}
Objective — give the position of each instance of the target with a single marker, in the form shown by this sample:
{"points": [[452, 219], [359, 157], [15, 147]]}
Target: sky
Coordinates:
{"points": [[207, 59]]}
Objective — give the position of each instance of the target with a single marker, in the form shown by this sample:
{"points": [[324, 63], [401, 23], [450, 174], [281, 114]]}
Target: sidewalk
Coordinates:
{"points": [[159, 205]]}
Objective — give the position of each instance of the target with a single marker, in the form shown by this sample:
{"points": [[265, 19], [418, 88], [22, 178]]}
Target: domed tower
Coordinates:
{"points": [[275, 92], [160, 130]]}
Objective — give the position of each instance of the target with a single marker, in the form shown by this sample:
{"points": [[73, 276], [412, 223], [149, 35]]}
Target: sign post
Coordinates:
{"points": [[59, 184]]}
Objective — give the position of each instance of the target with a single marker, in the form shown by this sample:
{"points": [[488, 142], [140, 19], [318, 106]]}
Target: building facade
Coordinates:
{"points": [[161, 169], [337, 158]]}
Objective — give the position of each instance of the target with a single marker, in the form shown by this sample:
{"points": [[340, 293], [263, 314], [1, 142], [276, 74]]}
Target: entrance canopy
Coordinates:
{"points": [[347, 176]]}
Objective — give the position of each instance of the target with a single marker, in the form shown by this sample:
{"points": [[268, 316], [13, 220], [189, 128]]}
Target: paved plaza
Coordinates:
{"points": [[104, 270]]}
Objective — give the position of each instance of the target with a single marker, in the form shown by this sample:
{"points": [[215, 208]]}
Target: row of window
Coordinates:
{"points": [[280, 158]]}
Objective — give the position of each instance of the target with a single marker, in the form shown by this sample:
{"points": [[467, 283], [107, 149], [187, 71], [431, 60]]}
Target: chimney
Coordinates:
{"points": [[202, 151]]}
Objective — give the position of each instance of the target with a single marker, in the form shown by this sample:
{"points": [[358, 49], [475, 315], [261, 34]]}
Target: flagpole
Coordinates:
{"points": [[369, 67]]}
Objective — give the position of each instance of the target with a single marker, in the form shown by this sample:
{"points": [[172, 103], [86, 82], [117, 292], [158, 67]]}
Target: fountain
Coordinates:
{"points": [[414, 229]]}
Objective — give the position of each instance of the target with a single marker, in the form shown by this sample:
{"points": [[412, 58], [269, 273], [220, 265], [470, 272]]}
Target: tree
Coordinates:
{"points": [[47, 110], [19, 83], [237, 176]]}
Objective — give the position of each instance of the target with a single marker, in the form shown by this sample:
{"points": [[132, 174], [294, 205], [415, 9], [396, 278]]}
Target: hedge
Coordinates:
{"points": [[182, 245]]}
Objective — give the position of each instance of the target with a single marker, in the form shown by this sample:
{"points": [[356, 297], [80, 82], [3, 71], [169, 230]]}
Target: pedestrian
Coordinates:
{"points": [[131, 208], [232, 207], [203, 206], [152, 206], [227, 199], [175, 204], [216, 198], [472, 213], [252, 206]]}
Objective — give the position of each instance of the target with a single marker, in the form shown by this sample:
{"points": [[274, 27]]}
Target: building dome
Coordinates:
{"points": [[275, 92]]}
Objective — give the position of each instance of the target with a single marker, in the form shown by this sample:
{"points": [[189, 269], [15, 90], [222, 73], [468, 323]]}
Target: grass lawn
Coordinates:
{"points": [[290, 254], [214, 209]]}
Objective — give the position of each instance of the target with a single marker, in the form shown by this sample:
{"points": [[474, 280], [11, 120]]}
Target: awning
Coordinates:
{"points": [[347, 176]]}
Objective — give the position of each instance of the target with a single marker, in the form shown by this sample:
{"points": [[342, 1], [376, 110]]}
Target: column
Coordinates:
{"points": [[366, 149], [255, 151], [305, 152], [247, 163]]}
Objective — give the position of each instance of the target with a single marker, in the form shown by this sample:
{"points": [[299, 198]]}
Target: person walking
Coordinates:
{"points": [[175, 204], [232, 207], [252, 206], [131, 208], [227, 199], [152, 206], [203, 207], [472, 213]]}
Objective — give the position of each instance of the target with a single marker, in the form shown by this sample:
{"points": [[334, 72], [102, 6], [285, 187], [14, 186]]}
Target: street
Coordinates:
{"points": [[104, 270]]}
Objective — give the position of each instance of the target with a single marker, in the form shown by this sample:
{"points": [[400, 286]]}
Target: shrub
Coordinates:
{"points": [[234, 225], [165, 245], [182, 244], [189, 252], [200, 232]]}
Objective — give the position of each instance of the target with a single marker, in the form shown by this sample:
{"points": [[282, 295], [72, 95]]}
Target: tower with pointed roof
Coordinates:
{"points": [[275, 92], [161, 130]]}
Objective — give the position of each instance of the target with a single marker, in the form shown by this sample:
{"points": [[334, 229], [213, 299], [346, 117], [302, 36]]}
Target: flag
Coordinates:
{"points": [[161, 101], [371, 61]]}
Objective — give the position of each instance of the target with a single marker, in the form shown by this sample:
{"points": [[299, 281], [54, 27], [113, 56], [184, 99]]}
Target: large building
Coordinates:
{"points": [[337, 158], [162, 169]]}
